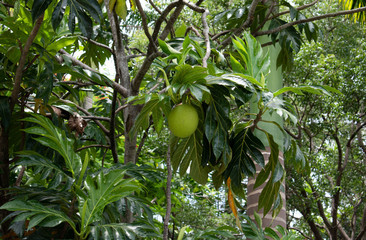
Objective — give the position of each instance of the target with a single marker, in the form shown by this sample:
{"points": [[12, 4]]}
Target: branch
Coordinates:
{"points": [[7, 5], [23, 58], [102, 127], [299, 230], [298, 9], [121, 90], [144, 25], [163, 16], [142, 142], [155, 7], [173, 18], [136, 82], [193, 29], [120, 58], [363, 225], [112, 128], [354, 134], [91, 146], [97, 43], [329, 15], [246, 24], [97, 118]]}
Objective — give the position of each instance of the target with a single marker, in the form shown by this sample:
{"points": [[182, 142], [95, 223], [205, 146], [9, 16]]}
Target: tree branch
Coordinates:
{"points": [[23, 58], [102, 127], [91, 146], [207, 38], [121, 89], [144, 25], [112, 127], [97, 44], [246, 24], [298, 9], [329, 15]]}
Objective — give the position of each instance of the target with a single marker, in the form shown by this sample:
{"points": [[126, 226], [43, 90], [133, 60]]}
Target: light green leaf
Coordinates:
{"points": [[102, 190]]}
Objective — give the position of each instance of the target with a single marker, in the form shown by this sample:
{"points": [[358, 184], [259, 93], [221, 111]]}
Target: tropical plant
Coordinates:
{"points": [[51, 53], [81, 203]]}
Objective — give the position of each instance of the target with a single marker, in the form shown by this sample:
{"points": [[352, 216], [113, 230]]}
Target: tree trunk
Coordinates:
{"points": [[4, 174]]}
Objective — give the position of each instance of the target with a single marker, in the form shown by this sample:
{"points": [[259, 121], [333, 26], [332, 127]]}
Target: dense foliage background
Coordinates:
{"points": [[86, 88]]}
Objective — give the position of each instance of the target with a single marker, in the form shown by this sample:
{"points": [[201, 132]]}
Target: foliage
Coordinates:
{"points": [[332, 134], [84, 154], [90, 192]]}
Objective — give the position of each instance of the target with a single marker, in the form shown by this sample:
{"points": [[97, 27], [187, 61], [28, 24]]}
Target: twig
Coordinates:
{"points": [[91, 146], [298, 9], [97, 43], [155, 7], [97, 118], [142, 142], [193, 29]]}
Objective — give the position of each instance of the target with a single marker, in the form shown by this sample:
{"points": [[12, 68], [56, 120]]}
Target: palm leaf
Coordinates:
{"points": [[353, 4]]}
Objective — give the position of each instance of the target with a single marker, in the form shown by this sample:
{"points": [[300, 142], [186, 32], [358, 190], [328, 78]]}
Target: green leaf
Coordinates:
{"points": [[55, 46], [121, 9], [56, 139], [217, 123], [155, 107], [102, 190], [58, 13], [39, 212], [188, 153], [39, 7], [252, 55]]}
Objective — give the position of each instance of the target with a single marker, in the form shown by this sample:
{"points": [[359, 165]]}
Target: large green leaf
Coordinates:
{"points": [[186, 154], [156, 106], [251, 55], [102, 190], [56, 139], [136, 230], [217, 123], [38, 214]]}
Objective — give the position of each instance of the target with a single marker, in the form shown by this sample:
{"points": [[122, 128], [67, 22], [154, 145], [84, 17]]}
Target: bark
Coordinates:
{"points": [[4, 174], [307, 213], [168, 197]]}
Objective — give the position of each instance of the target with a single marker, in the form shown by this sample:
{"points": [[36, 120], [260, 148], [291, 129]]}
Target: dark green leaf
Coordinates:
{"points": [[39, 7], [58, 13]]}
